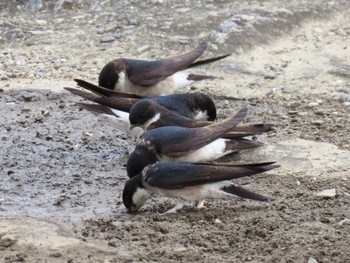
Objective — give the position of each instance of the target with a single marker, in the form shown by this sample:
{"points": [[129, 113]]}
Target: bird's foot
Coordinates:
{"points": [[201, 205], [177, 207]]}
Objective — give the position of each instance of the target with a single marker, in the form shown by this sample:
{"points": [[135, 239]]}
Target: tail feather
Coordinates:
{"points": [[96, 108], [83, 94], [122, 104], [248, 130], [195, 77], [221, 128], [240, 144], [207, 61], [244, 193], [103, 91]]}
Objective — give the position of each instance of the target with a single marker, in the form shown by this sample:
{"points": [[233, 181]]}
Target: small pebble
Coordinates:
{"points": [[28, 96], [217, 221], [345, 221], [56, 254], [327, 193], [107, 39], [41, 22], [179, 249], [317, 122], [26, 110], [313, 104], [7, 240], [143, 48], [312, 260], [269, 75], [112, 244]]}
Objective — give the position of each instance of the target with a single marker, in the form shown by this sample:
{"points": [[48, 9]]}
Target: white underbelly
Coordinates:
{"points": [[209, 152], [165, 87]]}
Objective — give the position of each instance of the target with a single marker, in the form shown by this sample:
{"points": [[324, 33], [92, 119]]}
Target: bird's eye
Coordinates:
{"points": [[143, 115]]}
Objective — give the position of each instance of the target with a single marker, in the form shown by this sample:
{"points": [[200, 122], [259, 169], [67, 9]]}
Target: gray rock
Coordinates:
{"points": [[345, 221], [344, 98], [227, 26], [308, 157], [343, 71], [317, 122], [34, 6], [14, 33], [127, 32], [28, 96], [112, 16], [7, 240], [107, 39]]}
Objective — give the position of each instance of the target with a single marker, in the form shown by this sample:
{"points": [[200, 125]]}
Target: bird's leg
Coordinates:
{"points": [[201, 205], [177, 207]]}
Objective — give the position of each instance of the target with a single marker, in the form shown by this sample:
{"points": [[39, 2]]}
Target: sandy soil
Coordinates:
{"points": [[62, 170]]}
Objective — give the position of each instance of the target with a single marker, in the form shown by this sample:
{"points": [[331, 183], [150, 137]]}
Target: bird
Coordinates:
{"points": [[203, 144], [191, 182], [157, 77], [148, 114], [195, 105]]}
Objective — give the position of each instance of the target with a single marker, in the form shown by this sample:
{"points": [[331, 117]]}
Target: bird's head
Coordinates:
{"points": [[134, 194], [143, 113]]}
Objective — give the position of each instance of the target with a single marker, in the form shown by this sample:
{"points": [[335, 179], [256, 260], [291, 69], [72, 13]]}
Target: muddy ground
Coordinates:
{"points": [[62, 169]]}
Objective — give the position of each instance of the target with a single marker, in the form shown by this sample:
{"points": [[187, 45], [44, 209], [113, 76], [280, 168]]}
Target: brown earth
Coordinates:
{"points": [[62, 169]]}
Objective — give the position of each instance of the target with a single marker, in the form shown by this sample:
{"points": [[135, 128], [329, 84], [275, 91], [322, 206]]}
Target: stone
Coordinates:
{"points": [[14, 33], [143, 48], [312, 104], [40, 32], [107, 39], [327, 193], [344, 98], [317, 122], [28, 96], [310, 158], [41, 22], [345, 221], [218, 221], [34, 6], [312, 260], [56, 254], [7, 240], [269, 75], [342, 71]]}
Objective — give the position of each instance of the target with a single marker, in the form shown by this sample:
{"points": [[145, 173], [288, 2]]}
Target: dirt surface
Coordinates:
{"points": [[62, 169]]}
